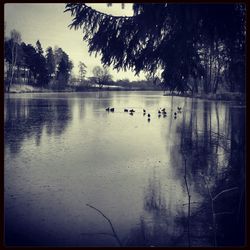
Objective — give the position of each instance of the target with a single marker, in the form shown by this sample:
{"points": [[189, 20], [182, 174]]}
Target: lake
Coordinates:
{"points": [[64, 151]]}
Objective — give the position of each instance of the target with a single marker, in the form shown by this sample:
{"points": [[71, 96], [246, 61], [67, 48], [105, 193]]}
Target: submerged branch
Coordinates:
{"points": [[224, 191], [108, 234], [213, 212], [110, 223], [189, 202]]}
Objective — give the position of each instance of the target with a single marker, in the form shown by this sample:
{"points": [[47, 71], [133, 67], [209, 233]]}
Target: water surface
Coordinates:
{"points": [[63, 151]]}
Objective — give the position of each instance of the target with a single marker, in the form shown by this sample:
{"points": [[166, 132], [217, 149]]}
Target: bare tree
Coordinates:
{"points": [[101, 76], [82, 70], [16, 40]]}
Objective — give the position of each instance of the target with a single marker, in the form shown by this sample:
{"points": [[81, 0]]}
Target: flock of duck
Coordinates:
{"points": [[161, 112]]}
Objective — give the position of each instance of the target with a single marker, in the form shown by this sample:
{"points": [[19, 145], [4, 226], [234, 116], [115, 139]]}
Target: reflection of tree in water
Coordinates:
{"points": [[211, 138], [157, 227], [220, 158], [26, 118], [102, 101], [153, 199]]}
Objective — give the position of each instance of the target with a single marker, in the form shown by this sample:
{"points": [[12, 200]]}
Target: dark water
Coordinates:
{"points": [[63, 151]]}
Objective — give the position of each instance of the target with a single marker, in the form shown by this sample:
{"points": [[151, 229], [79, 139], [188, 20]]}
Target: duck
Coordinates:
{"points": [[131, 113], [112, 109], [164, 113], [144, 111], [159, 112], [148, 119], [149, 116], [175, 113], [107, 109], [125, 110]]}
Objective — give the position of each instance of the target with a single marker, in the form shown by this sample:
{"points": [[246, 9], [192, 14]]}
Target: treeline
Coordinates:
{"points": [[28, 64]]}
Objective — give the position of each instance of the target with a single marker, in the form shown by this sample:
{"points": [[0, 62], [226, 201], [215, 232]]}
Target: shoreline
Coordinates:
{"points": [[227, 96]]}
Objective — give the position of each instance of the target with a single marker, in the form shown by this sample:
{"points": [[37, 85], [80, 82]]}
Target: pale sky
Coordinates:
{"points": [[49, 24]]}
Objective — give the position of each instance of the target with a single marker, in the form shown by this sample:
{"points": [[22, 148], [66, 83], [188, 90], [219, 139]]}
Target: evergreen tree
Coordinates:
{"points": [[64, 70], [41, 71], [166, 36], [50, 61], [39, 49]]}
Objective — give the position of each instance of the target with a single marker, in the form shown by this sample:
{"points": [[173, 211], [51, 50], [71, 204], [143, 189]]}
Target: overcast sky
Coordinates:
{"points": [[49, 24]]}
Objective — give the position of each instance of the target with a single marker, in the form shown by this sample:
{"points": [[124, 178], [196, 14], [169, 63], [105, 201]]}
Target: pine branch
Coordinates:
{"points": [[90, 9]]}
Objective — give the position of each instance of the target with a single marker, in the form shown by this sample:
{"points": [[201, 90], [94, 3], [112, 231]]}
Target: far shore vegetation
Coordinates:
{"points": [[203, 61]]}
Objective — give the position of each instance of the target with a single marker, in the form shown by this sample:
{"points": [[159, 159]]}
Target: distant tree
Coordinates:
{"points": [[39, 48], [82, 70], [101, 76], [64, 70], [58, 53], [50, 62], [41, 71], [30, 60], [153, 79], [8, 59], [11, 54]]}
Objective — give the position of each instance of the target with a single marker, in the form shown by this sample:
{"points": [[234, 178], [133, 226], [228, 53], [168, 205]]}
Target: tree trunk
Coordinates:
{"points": [[216, 80], [14, 57], [195, 86], [232, 87], [210, 71]]}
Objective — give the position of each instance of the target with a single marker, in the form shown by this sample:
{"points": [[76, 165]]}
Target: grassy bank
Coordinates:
{"points": [[227, 96], [17, 88]]}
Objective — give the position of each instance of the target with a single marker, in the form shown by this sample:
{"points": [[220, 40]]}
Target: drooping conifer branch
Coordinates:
{"points": [[174, 37], [121, 41]]}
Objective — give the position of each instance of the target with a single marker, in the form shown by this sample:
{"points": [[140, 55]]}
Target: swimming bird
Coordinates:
{"points": [[107, 109], [125, 110], [112, 109], [175, 113], [144, 111], [159, 112], [148, 115]]}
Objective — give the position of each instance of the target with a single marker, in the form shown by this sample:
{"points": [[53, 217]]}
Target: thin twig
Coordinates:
{"points": [[224, 191], [222, 213], [110, 223], [194, 202], [213, 212], [108, 234], [189, 199]]}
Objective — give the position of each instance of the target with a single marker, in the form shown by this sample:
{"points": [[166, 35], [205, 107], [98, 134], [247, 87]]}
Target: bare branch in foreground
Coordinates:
{"points": [[110, 223]]}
